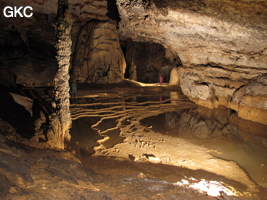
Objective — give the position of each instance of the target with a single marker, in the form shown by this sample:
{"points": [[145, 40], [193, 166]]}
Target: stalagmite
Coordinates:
{"points": [[62, 119]]}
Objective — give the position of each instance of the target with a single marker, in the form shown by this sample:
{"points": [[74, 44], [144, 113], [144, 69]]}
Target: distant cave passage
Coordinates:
{"points": [[147, 61]]}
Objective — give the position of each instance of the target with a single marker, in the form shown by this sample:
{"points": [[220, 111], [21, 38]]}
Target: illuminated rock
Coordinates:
{"points": [[222, 46], [98, 57]]}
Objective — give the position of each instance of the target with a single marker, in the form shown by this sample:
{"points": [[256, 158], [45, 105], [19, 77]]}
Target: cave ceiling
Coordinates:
{"points": [[201, 32], [225, 32]]}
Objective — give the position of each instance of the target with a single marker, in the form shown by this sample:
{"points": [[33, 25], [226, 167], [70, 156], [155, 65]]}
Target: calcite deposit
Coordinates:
{"points": [[61, 136], [97, 56]]}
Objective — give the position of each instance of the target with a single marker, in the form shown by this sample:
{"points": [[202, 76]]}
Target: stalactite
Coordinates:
{"points": [[61, 79]]}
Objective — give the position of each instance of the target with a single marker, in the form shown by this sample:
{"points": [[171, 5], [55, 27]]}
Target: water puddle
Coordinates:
{"points": [[122, 120]]}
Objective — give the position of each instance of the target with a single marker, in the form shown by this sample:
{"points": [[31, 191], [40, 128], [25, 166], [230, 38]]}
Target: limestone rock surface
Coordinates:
{"points": [[98, 57], [27, 45], [201, 32], [43, 174], [251, 101], [221, 44], [209, 123]]}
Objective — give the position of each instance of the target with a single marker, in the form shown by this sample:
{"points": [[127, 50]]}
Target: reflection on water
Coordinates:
{"points": [[81, 132], [101, 118], [103, 121], [216, 130]]}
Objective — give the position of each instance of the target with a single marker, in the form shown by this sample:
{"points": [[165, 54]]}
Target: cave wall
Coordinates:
{"points": [[222, 46], [201, 32], [211, 123], [37, 51], [27, 45], [27, 49]]}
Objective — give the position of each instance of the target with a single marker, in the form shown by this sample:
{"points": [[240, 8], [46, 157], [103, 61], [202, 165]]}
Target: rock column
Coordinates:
{"points": [[62, 120]]}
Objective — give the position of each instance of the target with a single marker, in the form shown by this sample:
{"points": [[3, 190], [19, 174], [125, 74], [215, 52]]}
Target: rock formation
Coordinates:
{"points": [[222, 45], [250, 100], [208, 123], [97, 56], [27, 51], [63, 123]]}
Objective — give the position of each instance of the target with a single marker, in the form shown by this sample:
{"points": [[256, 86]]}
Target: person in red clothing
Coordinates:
{"points": [[160, 80]]}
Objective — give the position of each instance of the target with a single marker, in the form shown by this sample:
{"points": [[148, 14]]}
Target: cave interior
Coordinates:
{"points": [[100, 99]]}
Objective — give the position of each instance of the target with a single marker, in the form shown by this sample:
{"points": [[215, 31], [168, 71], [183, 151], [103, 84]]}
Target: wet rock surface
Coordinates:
{"points": [[28, 173], [50, 174], [160, 148], [171, 140]]}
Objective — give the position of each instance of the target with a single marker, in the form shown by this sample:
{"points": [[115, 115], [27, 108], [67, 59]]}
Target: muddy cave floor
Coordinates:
{"points": [[145, 164], [146, 149], [167, 167], [169, 161]]}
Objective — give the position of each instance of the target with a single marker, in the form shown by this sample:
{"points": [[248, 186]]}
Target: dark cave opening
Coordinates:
{"points": [[15, 114]]}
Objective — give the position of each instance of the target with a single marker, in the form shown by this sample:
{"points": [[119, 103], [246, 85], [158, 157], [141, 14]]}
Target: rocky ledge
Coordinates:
{"points": [[222, 46]]}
